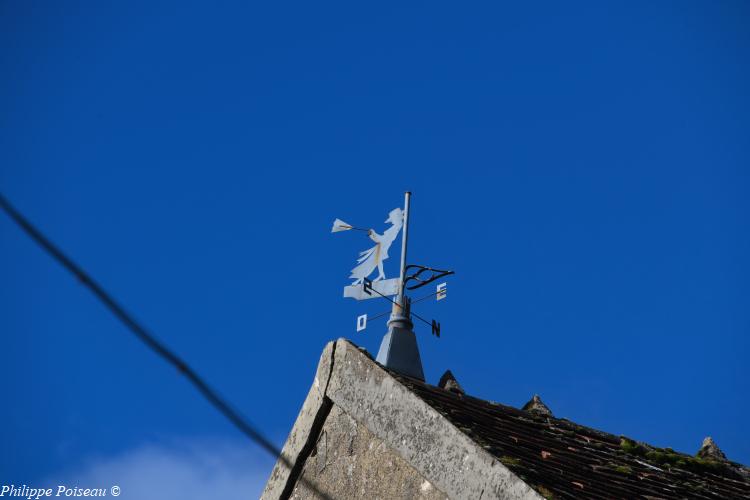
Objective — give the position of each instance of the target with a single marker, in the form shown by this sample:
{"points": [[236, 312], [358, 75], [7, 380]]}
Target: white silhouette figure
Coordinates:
{"points": [[374, 257]]}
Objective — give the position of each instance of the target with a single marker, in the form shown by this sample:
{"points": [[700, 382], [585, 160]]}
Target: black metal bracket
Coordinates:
{"points": [[436, 275]]}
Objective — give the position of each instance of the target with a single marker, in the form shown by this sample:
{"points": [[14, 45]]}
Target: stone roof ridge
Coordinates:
{"points": [[385, 403], [449, 383], [537, 406], [710, 450]]}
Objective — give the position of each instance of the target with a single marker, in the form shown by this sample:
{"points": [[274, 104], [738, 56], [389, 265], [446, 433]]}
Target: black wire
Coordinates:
{"points": [[152, 343]]}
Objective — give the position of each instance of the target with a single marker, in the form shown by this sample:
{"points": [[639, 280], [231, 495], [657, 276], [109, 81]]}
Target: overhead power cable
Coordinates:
{"points": [[210, 394], [147, 338]]}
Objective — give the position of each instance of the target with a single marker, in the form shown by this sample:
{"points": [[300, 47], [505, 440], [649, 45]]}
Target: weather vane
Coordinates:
{"points": [[363, 287]]}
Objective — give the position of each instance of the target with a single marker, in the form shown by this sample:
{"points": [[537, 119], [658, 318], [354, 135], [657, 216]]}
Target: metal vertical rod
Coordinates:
{"points": [[404, 240]]}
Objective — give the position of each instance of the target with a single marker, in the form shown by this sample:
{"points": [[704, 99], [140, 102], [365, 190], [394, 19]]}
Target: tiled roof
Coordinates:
{"points": [[561, 459]]}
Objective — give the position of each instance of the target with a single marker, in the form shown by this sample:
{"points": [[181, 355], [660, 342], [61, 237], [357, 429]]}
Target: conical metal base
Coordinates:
{"points": [[399, 351]]}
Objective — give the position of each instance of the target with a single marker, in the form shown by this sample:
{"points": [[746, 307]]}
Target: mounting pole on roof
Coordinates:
{"points": [[398, 350], [404, 242]]}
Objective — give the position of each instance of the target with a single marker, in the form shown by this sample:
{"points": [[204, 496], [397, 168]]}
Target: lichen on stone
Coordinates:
{"points": [[510, 461], [624, 469], [537, 407], [667, 457], [546, 493]]}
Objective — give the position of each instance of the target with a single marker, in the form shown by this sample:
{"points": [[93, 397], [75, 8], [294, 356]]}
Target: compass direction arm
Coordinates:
{"points": [[437, 293], [378, 316], [430, 324], [409, 312], [441, 292], [368, 289]]}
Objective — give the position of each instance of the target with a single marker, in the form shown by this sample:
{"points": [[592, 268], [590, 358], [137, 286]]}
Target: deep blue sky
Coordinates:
{"points": [[582, 166]]}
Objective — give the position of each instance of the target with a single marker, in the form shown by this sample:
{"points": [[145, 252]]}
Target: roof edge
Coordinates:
{"points": [[440, 452], [304, 432]]}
